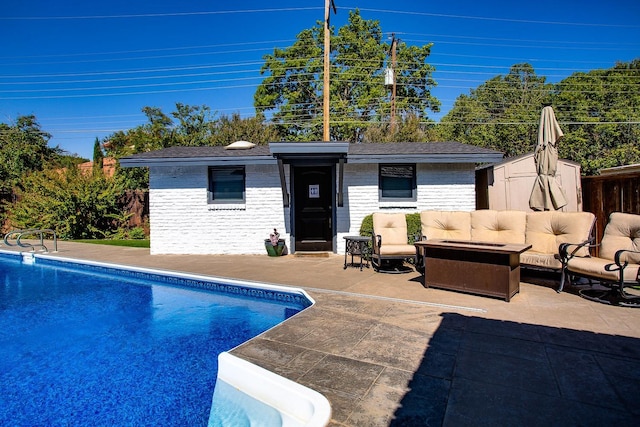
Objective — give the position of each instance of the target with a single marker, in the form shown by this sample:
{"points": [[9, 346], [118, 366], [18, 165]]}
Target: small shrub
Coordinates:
{"points": [[76, 206], [413, 226], [125, 233], [137, 233], [366, 228]]}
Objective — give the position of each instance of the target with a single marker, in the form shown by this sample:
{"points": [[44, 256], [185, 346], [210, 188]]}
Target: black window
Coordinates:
{"points": [[397, 182], [226, 184]]}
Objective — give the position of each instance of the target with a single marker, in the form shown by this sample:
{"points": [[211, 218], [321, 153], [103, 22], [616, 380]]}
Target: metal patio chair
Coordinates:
{"points": [[617, 267], [390, 243]]}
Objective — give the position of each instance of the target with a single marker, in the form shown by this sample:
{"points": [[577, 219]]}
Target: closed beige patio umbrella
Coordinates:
{"points": [[547, 194]]}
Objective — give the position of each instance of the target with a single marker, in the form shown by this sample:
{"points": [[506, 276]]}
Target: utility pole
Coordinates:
{"points": [[328, 4], [394, 44]]}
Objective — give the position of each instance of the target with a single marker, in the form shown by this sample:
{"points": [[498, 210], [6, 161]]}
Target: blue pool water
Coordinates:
{"points": [[97, 346]]}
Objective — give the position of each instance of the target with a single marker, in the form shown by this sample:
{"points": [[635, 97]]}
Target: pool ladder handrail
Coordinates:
{"points": [[31, 232]]}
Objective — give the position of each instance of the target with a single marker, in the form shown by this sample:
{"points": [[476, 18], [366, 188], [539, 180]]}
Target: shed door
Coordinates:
{"points": [[313, 208]]}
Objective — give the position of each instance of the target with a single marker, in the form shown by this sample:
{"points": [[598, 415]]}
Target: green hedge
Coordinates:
{"points": [[413, 226]]}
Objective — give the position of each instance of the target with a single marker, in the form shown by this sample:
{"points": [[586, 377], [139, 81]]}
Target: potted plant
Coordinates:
{"points": [[274, 244]]}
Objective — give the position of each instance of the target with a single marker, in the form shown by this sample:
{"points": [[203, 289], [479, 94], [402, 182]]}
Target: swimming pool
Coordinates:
{"points": [[97, 345]]}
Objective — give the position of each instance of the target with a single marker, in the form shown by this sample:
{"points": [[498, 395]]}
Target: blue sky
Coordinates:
{"points": [[86, 69]]}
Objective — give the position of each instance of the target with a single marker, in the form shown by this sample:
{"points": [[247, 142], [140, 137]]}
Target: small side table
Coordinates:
{"points": [[357, 246]]}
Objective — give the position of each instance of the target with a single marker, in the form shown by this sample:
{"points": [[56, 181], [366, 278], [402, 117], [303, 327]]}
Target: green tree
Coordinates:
{"points": [[98, 156], [598, 112], [601, 110], [157, 133], [126, 143], [23, 148], [501, 114], [193, 125], [228, 129], [409, 129], [159, 128], [197, 127], [75, 205], [293, 87], [68, 161]]}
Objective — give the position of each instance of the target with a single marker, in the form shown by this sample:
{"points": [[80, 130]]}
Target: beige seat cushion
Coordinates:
{"points": [[622, 232], [498, 226], [547, 230], [390, 250], [392, 227], [446, 225], [540, 260], [596, 267]]}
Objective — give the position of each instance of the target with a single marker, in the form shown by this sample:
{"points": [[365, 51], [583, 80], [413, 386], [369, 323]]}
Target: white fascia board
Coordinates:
{"points": [[421, 158], [198, 161]]}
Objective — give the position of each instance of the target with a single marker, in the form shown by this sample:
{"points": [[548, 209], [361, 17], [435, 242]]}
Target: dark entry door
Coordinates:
{"points": [[313, 208]]}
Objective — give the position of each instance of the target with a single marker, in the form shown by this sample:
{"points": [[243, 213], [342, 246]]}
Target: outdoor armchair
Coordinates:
{"points": [[616, 268], [390, 240]]}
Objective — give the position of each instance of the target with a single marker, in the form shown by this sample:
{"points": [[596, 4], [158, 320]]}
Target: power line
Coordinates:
{"points": [[141, 58], [627, 76], [154, 15], [164, 49], [594, 45], [221, 87], [485, 18], [157, 84], [134, 71], [514, 40], [100, 95]]}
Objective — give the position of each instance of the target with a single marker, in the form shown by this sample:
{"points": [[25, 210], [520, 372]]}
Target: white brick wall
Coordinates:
{"points": [[446, 187], [182, 222], [440, 187]]}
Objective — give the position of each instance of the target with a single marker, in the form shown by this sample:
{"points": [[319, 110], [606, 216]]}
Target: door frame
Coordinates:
{"points": [[298, 165]]}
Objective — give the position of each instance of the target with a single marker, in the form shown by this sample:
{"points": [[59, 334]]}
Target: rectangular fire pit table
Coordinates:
{"points": [[490, 269]]}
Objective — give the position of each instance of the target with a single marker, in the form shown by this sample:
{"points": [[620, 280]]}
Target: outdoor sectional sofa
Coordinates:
{"points": [[544, 231]]}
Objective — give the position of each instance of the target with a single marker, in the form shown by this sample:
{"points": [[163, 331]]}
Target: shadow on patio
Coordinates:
{"points": [[488, 372]]}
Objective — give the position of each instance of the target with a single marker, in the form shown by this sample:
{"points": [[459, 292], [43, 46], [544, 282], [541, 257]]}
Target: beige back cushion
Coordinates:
{"points": [[392, 227], [498, 226], [446, 225], [547, 230], [622, 232]]}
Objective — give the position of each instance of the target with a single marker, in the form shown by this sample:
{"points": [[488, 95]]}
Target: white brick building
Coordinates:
{"points": [[212, 200]]}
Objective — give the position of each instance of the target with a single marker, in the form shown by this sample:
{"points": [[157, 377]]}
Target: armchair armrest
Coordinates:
{"points": [[376, 242], [620, 264], [566, 251], [620, 260]]}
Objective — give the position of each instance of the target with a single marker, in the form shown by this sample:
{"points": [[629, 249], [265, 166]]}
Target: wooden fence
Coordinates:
{"points": [[617, 191], [136, 203]]}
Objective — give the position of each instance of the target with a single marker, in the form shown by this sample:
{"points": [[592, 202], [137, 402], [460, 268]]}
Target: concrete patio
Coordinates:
{"points": [[388, 352]]}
